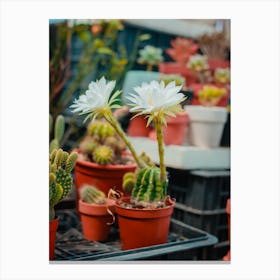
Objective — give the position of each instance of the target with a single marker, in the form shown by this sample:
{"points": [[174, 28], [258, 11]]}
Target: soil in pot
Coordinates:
{"points": [[96, 219], [53, 225], [142, 227]]}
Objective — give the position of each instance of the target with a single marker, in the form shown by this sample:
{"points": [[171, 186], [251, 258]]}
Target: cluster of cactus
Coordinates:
{"points": [[59, 129], [210, 95], [61, 164], [101, 144], [222, 75], [92, 195]]}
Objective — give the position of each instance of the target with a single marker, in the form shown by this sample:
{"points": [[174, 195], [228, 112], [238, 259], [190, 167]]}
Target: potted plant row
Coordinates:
{"points": [[144, 216]]}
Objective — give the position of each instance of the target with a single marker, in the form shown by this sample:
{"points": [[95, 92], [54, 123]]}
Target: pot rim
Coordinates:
{"points": [[105, 166], [148, 213], [96, 209]]}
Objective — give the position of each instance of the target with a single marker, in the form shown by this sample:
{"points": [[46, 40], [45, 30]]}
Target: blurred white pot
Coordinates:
{"points": [[206, 125]]}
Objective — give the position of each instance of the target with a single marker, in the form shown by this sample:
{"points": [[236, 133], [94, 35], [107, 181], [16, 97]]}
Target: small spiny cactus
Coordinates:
{"points": [[148, 187], [92, 195], [101, 144], [103, 155], [60, 178], [129, 180]]}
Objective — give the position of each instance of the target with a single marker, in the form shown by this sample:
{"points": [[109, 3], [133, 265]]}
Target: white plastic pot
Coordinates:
{"points": [[206, 125]]}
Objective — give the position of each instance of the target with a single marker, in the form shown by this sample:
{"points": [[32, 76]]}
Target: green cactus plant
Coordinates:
{"points": [[60, 177], [103, 154], [92, 195], [59, 129], [101, 144]]}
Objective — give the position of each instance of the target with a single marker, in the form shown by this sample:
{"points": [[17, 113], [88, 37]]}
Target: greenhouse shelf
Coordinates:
{"points": [[185, 157], [184, 243]]}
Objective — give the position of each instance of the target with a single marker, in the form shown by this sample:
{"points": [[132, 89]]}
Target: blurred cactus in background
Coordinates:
{"points": [[222, 76], [58, 133], [211, 95], [150, 56]]}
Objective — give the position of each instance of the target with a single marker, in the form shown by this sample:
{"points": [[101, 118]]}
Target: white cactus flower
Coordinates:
{"points": [[95, 98], [156, 99]]}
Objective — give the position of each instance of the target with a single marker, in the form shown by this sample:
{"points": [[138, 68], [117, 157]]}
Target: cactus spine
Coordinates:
{"points": [[92, 195], [60, 178]]}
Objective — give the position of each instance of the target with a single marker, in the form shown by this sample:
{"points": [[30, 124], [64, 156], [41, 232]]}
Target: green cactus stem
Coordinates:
{"points": [[149, 188], [92, 195], [71, 161], [59, 128], [159, 131], [103, 154], [60, 178], [129, 180]]}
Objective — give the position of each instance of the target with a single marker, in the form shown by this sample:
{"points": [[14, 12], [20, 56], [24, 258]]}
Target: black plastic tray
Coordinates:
{"points": [[71, 246]]}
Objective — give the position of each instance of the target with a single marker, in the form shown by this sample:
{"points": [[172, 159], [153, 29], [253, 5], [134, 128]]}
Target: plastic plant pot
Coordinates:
{"points": [[53, 225], [142, 227], [206, 125], [96, 220]]}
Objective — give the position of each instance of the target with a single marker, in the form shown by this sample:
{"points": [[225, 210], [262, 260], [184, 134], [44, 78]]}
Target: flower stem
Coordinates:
{"points": [[109, 117], [149, 67], [159, 131]]}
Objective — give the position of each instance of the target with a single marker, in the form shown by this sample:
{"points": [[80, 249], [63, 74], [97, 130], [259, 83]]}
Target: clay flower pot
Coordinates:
{"points": [[142, 227], [176, 130], [95, 219], [103, 177], [137, 127], [53, 225]]}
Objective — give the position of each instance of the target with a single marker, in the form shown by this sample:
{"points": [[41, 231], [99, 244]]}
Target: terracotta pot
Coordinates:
{"points": [[102, 177], [176, 130], [95, 219], [177, 68], [196, 87], [143, 227], [137, 127], [53, 225]]}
